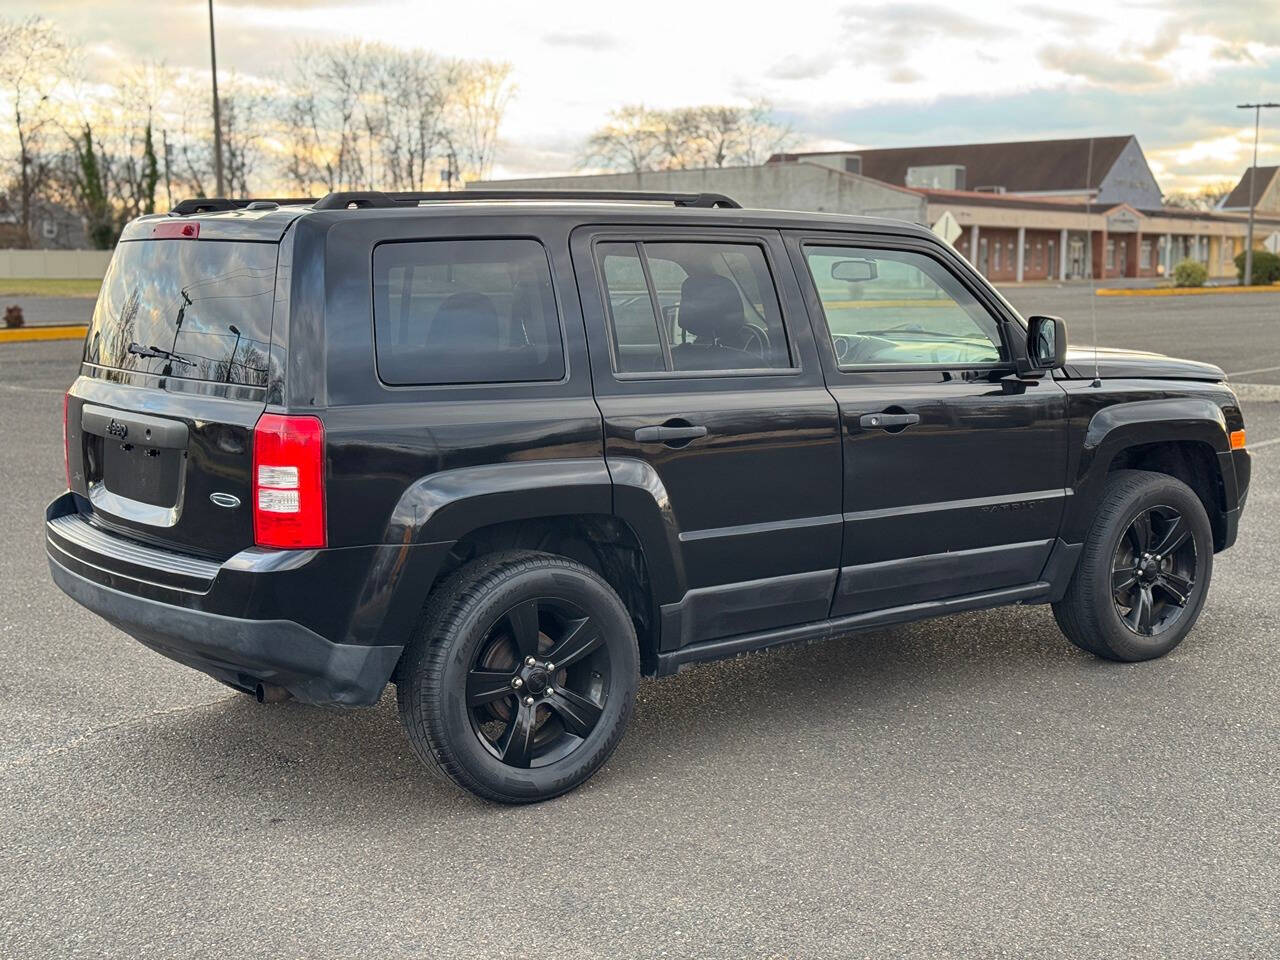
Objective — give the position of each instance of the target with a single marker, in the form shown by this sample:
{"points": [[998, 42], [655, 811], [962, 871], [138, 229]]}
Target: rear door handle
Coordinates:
{"points": [[665, 434], [887, 421]]}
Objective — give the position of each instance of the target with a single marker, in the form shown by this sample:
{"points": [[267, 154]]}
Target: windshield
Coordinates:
{"points": [[199, 310]]}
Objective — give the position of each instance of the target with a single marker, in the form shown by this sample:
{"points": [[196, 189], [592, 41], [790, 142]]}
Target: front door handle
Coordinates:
{"points": [[888, 421], [669, 434]]}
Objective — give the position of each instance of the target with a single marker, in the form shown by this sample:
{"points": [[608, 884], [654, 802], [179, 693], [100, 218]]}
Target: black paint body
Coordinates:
{"points": [[788, 520]]}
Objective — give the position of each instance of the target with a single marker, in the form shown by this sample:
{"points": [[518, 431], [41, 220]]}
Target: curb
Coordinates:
{"points": [[27, 334], [1183, 291]]}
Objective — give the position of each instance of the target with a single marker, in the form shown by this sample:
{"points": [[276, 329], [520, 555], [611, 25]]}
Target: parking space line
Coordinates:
{"points": [[1245, 373], [17, 388]]}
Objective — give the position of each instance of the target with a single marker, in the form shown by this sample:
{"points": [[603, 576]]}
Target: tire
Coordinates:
{"points": [[464, 715], [1103, 609]]}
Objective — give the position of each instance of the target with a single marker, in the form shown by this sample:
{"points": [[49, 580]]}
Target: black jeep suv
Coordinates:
{"points": [[509, 452]]}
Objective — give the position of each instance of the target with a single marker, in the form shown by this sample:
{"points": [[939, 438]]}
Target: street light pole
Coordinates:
{"points": [[217, 119], [1257, 109]]}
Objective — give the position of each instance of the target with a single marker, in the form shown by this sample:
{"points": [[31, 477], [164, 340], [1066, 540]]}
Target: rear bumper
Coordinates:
{"points": [[327, 625], [241, 652]]}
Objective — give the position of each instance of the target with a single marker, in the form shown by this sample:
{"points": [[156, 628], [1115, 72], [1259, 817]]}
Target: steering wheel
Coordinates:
{"points": [[756, 341]]}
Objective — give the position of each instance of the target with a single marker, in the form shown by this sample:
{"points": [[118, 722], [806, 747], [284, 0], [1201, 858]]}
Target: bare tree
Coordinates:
{"points": [[415, 88], [367, 116], [629, 141], [1206, 198], [34, 59], [127, 138], [245, 107], [759, 136], [637, 138], [481, 92]]}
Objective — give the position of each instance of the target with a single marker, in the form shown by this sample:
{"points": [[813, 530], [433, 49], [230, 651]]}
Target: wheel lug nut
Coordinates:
{"points": [[550, 665], [528, 701], [529, 661], [517, 683]]}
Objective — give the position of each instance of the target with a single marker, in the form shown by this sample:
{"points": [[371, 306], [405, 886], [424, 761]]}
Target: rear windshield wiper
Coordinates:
{"points": [[147, 351]]}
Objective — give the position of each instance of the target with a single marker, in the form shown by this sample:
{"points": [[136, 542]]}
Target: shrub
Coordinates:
{"points": [[1266, 267], [1190, 273], [13, 316]]}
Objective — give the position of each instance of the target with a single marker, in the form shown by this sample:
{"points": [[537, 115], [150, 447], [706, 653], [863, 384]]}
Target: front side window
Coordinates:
{"points": [[692, 307], [465, 311], [887, 307]]}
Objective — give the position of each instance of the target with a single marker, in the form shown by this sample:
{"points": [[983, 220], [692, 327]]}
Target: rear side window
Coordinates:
{"points": [[465, 311], [692, 307], [192, 309]]}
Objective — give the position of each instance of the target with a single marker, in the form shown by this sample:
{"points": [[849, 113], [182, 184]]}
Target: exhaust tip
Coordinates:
{"points": [[270, 693]]}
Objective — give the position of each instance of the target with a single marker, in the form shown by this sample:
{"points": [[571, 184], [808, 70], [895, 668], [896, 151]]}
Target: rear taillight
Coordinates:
{"points": [[66, 437], [288, 482]]}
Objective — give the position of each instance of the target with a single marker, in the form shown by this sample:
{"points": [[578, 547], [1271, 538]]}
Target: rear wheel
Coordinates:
{"points": [[1144, 573], [521, 678]]}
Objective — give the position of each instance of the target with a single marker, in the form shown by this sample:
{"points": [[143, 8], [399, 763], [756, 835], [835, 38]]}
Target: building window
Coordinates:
{"points": [[1111, 254], [1144, 255]]}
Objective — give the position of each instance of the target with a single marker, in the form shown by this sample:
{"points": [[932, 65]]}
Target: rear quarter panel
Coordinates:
{"points": [[383, 440]]}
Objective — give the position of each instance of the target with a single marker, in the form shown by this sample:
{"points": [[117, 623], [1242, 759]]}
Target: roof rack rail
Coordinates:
{"points": [[360, 199], [215, 204]]}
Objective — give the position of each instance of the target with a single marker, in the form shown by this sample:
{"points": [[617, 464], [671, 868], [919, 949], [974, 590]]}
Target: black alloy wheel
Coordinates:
{"points": [[539, 684], [1153, 572], [521, 676], [1144, 569]]}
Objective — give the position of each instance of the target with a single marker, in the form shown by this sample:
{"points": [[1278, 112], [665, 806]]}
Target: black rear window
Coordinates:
{"points": [[205, 302]]}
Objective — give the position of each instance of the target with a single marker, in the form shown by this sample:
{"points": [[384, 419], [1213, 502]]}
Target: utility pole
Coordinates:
{"points": [[217, 119], [1257, 109]]}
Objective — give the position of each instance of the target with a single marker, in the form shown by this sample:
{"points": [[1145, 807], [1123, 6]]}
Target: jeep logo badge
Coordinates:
{"points": [[117, 429], [227, 500]]}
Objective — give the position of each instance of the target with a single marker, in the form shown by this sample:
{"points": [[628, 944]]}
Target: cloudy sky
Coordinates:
{"points": [[840, 73]]}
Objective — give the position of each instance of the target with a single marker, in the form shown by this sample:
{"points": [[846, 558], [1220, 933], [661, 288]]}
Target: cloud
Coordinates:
{"points": [[1192, 135], [799, 67], [905, 21], [1088, 63], [1072, 20], [586, 41], [904, 75]]}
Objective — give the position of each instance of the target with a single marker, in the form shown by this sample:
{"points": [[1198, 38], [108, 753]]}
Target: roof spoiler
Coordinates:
{"points": [[216, 204]]}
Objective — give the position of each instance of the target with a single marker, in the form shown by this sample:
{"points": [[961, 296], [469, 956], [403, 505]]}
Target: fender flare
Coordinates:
{"points": [[448, 505], [444, 507], [1120, 426]]}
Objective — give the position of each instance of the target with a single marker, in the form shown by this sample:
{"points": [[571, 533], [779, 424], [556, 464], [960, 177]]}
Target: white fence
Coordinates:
{"points": [[89, 264]]}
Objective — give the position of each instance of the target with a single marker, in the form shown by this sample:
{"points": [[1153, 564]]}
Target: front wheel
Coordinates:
{"points": [[1144, 573], [521, 678]]}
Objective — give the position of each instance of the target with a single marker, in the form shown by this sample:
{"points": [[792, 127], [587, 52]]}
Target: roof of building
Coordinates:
{"points": [[1023, 166], [970, 198], [1239, 197]]}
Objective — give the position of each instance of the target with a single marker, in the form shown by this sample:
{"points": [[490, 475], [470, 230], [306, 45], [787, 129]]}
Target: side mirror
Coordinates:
{"points": [[854, 271], [1046, 343]]}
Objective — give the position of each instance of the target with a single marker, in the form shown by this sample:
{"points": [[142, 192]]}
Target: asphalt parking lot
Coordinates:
{"points": [[972, 786]]}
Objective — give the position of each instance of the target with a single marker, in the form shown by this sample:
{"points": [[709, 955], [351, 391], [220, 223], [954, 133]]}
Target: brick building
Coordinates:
{"points": [[1028, 210]]}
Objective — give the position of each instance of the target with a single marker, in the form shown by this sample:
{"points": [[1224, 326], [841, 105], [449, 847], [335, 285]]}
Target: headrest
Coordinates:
{"points": [[465, 321], [710, 306]]}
